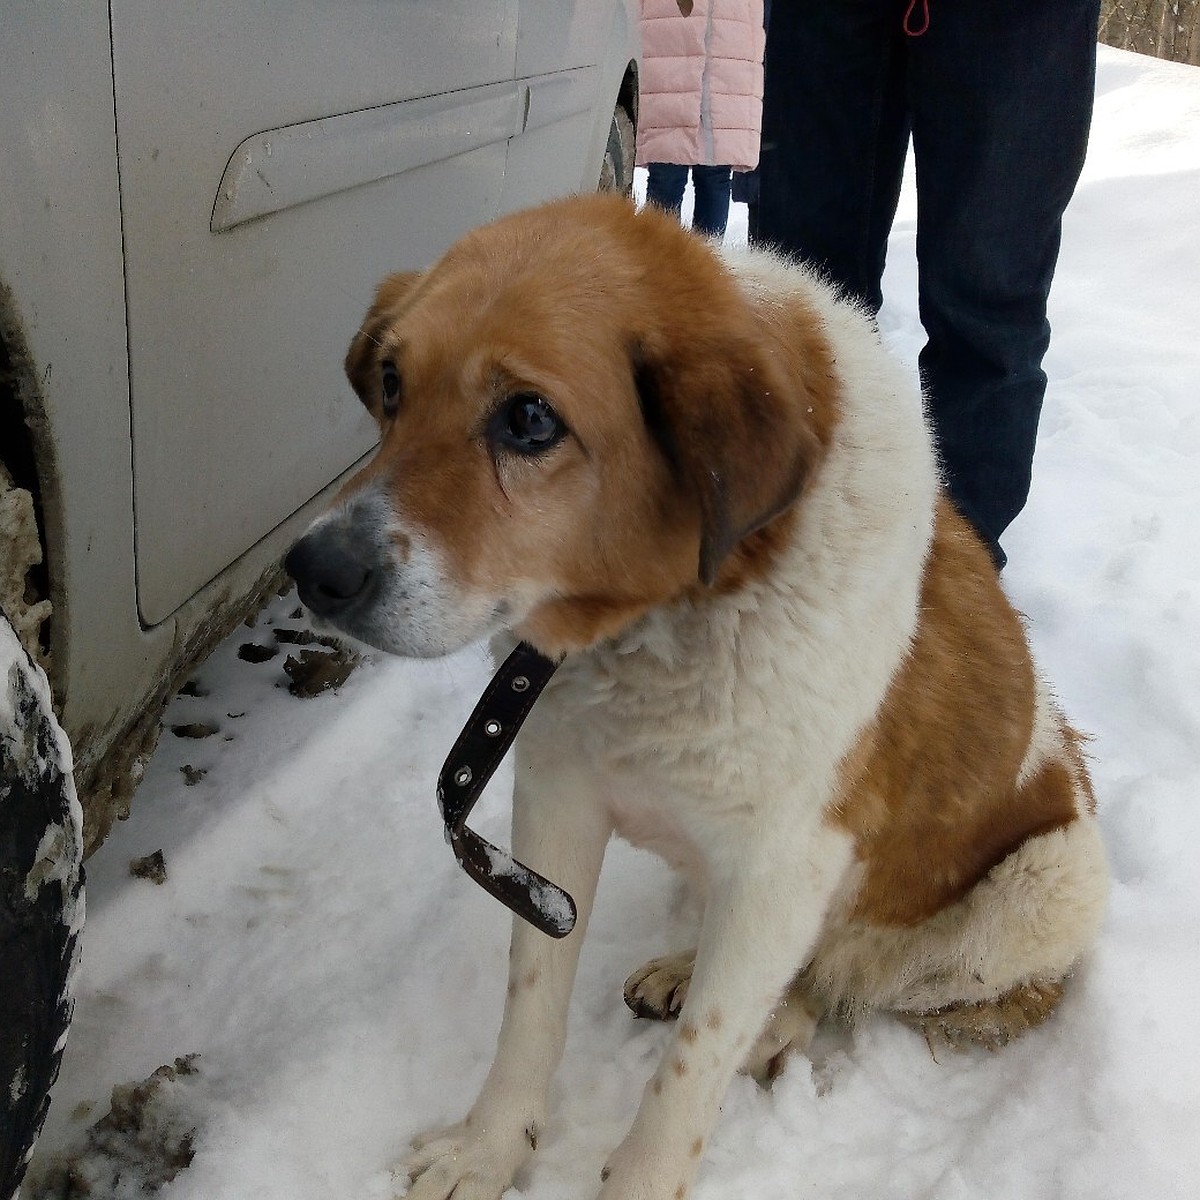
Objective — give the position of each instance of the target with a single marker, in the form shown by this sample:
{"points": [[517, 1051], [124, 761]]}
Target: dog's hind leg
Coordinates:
{"points": [[988, 967], [988, 1023]]}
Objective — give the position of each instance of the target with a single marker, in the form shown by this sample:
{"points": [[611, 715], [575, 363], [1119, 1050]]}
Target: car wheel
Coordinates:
{"points": [[616, 172], [41, 902]]}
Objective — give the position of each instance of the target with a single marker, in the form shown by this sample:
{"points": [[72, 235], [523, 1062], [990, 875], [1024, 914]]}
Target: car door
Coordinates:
{"points": [[571, 57], [277, 158]]}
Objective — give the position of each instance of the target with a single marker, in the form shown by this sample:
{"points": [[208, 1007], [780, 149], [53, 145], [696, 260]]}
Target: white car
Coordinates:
{"points": [[196, 201]]}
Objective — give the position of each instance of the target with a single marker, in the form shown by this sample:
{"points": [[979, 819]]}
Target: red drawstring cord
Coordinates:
{"points": [[908, 12]]}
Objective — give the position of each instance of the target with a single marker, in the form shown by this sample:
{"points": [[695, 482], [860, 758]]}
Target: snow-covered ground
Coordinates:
{"points": [[342, 981]]}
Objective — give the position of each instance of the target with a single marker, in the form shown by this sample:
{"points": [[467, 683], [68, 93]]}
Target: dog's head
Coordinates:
{"points": [[581, 418]]}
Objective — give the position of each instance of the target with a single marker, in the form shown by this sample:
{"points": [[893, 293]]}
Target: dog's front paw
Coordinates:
{"points": [[630, 1175], [659, 989], [466, 1161]]}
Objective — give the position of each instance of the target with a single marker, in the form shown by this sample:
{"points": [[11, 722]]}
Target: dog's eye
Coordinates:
{"points": [[529, 425], [390, 382]]}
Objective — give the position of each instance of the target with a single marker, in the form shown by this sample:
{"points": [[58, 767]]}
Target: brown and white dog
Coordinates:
{"points": [[788, 666]]}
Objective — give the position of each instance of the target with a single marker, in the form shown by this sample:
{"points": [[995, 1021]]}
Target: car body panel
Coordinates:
{"points": [[565, 35], [223, 327], [63, 302], [276, 295]]}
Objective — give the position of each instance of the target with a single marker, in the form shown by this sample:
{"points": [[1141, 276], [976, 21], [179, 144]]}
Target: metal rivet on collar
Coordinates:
{"points": [[463, 776], [492, 728], [520, 684]]}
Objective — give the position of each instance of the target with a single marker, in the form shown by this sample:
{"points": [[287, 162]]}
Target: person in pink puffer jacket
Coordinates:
{"points": [[701, 101]]}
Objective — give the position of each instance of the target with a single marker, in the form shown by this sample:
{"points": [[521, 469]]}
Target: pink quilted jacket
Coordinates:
{"points": [[701, 83]]}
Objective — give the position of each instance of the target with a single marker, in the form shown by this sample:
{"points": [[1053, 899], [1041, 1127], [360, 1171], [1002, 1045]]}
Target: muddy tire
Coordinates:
{"points": [[41, 902], [616, 172]]}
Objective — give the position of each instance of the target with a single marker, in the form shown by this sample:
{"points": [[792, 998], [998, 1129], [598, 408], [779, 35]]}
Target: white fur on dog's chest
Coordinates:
{"points": [[694, 728], [641, 736]]}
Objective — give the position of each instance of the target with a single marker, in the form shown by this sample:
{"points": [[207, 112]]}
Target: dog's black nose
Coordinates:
{"points": [[329, 575]]}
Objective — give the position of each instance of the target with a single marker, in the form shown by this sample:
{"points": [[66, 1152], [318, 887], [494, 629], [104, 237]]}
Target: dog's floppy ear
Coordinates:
{"points": [[734, 433], [361, 364]]}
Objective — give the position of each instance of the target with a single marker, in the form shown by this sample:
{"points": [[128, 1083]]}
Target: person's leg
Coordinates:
{"points": [[835, 135], [710, 213], [1002, 99], [665, 185]]}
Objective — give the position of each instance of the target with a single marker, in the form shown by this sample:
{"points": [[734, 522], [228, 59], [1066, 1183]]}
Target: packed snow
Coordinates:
{"points": [[341, 980]]}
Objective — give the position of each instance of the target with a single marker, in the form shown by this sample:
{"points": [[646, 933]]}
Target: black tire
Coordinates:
{"points": [[41, 903], [616, 172]]}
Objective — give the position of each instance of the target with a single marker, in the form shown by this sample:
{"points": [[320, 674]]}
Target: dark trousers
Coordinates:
{"points": [[710, 212], [997, 97]]}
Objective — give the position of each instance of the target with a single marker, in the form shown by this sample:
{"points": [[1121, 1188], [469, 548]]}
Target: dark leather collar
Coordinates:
{"points": [[481, 746]]}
